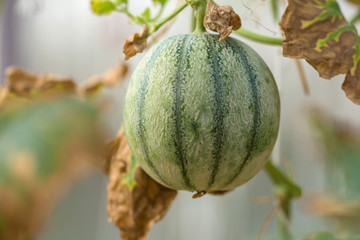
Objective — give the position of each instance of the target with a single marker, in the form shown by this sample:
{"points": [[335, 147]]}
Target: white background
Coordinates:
{"points": [[64, 37]]}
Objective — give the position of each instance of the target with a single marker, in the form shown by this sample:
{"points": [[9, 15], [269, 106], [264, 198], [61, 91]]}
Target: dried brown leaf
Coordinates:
{"points": [[219, 193], [355, 1], [351, 85], [25, 84], [3, 93], [305, 24], [111, 78], [136, 43], [135, 201], [318, 32], [345, 213], [221, 19]]}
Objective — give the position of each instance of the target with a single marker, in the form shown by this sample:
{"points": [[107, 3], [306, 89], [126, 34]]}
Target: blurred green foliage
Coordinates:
{"points": [[341, 146], [43, 146]]}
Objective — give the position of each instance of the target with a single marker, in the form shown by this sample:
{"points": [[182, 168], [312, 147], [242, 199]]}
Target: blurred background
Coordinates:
{"points": [[66, 38]]}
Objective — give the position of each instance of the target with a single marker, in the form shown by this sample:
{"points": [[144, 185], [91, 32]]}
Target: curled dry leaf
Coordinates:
{"points": [[24, 84], [3, 93], [345, 213], [111, 78], [351, 85], [318, 32], [221, 19], [219, 193], [355, 1], [136, 43], [135, 201]]}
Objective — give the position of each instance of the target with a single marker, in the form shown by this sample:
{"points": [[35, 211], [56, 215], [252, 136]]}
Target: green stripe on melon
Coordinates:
{"points": [[201, 115]]}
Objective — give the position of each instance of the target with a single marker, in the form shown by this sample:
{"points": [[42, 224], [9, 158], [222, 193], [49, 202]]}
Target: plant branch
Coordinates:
{"points": [[280, 179], [285, 191], [269, 219], [258, 37], [162, 21], [302, 76], [275, 9], [200, 14], [159, 13], [129, 14]]}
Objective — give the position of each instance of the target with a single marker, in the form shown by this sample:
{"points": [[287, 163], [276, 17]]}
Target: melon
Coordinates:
{"points": [[201, 115]]}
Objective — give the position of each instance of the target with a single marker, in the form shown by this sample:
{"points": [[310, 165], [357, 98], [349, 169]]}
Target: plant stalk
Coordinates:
{"points": [[200, 14], [275, 9], [279, 178], [164, 20], [285, 191], [258, 37]]}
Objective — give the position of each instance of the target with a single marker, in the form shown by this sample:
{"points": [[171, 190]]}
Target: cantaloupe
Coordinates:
{"points": [[202, 115]]}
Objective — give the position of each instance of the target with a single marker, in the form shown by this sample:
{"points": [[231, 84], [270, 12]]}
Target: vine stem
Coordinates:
{"points": [[200, 14], [285, 191], [162, 21], [302, 76], [158, 15], [279, 178], [275, 9], [258, 37]]}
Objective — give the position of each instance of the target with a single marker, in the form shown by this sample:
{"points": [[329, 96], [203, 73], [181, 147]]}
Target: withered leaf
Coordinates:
{"points": [[136, 43], [219, 193], [111, 78], [221, 19], [345, 213], [318, 32], [355, 1], [351, 85], [3, 93], [25, 84], [135, 201]]}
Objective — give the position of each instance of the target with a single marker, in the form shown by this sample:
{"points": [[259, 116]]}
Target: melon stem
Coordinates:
{"points": [[200, 14]]}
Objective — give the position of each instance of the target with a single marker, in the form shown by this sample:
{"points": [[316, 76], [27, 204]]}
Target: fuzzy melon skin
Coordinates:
{"points": [[202, 115]]}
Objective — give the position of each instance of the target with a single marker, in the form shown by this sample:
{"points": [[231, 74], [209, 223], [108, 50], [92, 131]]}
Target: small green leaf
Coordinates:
{"points": [[118, 2], [145, 17], [321, 236], [103, 6], [129, 178], [146, 14], [161, 2]]}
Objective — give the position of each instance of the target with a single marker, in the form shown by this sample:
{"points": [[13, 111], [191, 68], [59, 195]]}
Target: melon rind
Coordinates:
{"points": [[202, 115]]}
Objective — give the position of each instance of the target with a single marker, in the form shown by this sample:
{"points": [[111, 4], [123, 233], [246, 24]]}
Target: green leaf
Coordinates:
{"points": [[40, 132], [161, 2], [321, 236], [43, 148], [129, 178], [103, 6], [145, 17], [341, 144], [118, 2]]}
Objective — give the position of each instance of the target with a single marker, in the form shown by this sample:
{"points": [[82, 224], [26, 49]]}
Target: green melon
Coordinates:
{"points": [[202, 115]]}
